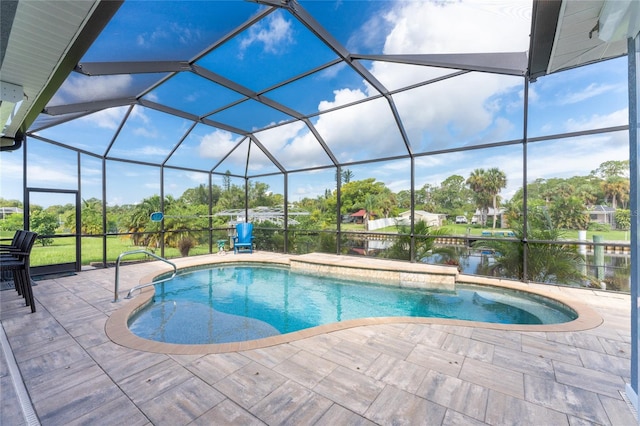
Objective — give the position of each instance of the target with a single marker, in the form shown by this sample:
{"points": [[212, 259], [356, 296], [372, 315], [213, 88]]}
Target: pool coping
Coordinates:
{"points": [[118, 331]]}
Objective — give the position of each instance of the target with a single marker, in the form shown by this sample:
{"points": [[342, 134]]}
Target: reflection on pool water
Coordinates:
{"points": [[616, 268], [239, 302]]}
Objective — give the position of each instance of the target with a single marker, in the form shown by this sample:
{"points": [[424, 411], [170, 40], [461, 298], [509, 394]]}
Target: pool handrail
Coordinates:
{"points": [[138, 287]]}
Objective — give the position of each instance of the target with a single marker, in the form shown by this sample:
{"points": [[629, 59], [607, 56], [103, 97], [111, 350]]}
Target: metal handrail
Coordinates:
{"points": [[117, 283]]}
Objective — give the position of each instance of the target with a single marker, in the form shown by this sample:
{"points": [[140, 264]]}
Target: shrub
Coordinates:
{"points": [[184, 245], [623, 219], [599, 227]]}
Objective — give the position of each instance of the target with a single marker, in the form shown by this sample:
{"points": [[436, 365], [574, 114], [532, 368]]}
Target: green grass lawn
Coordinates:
{"points": [[620, 236], [63, 250]]}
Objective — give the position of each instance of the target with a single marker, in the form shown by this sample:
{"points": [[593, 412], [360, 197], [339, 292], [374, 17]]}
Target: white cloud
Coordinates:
{"points": [[332, 71], [294, 146], [273, 33], [48, 172], [444, 112], [154, 186], [149, 38], [362, 131], [79, 88], [464, 106], [139, 113], [152, 96], [141, 40], [198, 178], [501, 127], [532, 94], [575, 156], [179, 181], [592, 90], [93, 172], [116, 200], [145, 132], [434, 169], [451, 110], [184, 35], [107, 118], [311, 183], [597, 121], [341, 97], [151, 150], [558, 158], [217, 144], [457, 27], [11, 175], [141, 124], [370, 36]]}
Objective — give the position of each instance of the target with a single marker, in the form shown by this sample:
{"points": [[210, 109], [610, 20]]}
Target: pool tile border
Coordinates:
{"points": [[117, 330]]}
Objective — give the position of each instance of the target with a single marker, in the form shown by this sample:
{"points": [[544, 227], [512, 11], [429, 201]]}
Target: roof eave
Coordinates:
{"points": [[544, 22]]}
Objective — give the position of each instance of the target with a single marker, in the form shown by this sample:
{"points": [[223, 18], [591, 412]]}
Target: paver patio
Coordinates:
{"points": [[387, 373]]}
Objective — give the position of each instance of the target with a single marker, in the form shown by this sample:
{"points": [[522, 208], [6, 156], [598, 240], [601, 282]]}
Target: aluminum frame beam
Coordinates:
{"points": [[133, 67], [507, 63]]}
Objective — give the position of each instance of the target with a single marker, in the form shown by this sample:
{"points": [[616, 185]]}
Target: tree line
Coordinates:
{"points": [[566, 201]]}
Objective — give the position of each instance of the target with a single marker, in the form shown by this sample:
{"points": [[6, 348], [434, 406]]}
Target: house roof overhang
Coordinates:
{"points": [[567, 34], [35, 63]]}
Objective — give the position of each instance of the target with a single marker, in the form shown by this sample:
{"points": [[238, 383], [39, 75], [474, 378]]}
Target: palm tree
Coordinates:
{"points": [[586, 192], [616, 188], [486, 185], [386, 201], [477, 183], [495, 181], [91, 216], [557, 263], [347, 175], [140, 221], [425, 238], [427, 246], [569, 213], [370, 202]]}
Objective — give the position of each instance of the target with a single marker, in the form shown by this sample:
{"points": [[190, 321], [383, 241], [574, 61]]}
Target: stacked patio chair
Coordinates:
{"points": [[14, 241], [14, 257], [13, 245]]}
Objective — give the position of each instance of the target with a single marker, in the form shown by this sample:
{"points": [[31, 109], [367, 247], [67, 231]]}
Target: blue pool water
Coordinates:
{"points": [[237, 303]]}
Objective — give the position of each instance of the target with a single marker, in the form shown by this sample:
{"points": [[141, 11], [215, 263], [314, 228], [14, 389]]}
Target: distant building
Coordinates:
{"points": [[8, 211], [358, 217], [602, 214], [477, 217], [262, 214], [431, 219]]}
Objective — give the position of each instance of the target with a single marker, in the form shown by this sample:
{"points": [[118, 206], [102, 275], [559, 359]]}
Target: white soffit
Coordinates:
{"points": [[576, 40], [41, 35]]}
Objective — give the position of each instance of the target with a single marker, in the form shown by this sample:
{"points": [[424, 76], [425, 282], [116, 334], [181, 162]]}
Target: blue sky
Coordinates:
{"points": [[464, 111]]}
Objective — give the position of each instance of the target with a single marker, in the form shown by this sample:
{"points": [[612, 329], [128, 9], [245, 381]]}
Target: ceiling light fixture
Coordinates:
{"points": [[11, 96]]}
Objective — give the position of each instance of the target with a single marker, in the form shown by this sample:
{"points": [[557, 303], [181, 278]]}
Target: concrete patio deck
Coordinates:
{"points": [[436, 373]]}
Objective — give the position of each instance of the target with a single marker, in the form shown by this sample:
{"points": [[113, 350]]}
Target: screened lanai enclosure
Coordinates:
{"points": [[338, 127], [499, 137]]}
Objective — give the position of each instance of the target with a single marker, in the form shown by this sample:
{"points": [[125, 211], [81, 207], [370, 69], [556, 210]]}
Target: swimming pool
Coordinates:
{"points": [[235, 303]]}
